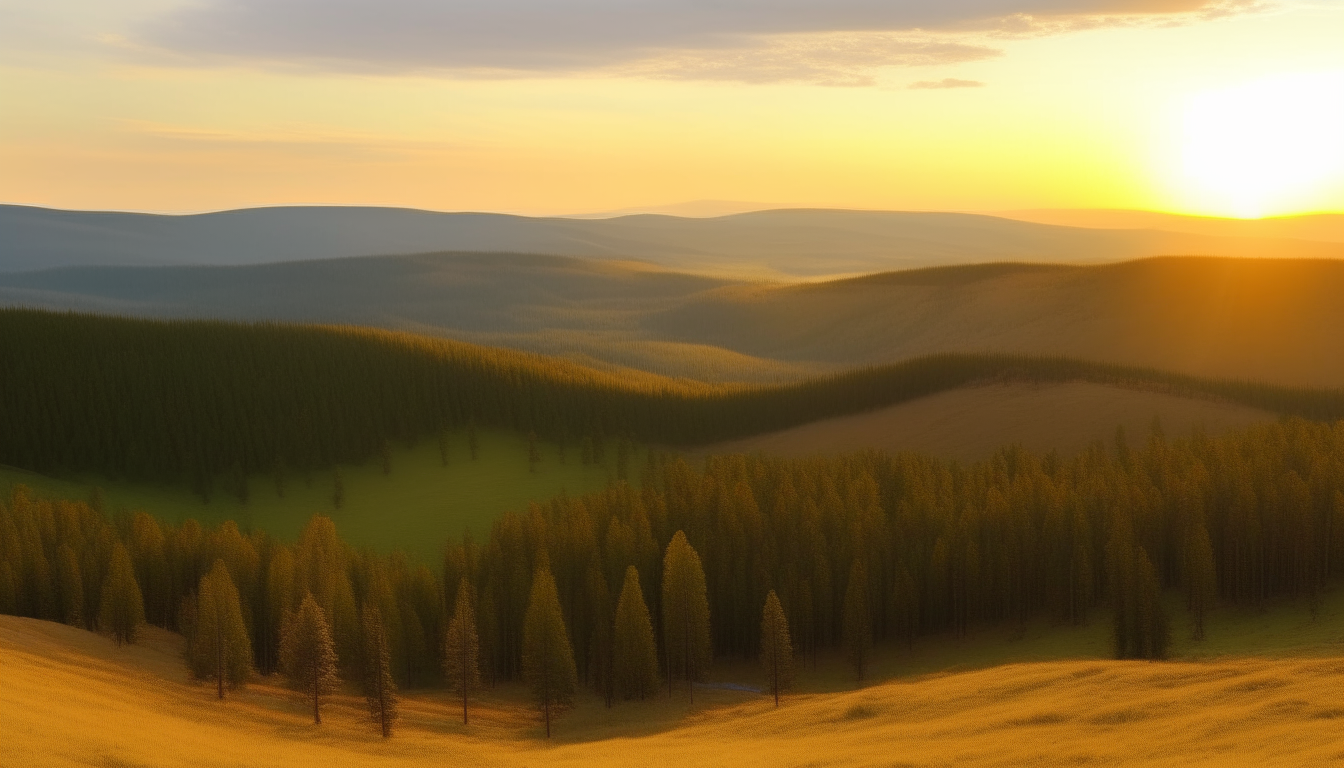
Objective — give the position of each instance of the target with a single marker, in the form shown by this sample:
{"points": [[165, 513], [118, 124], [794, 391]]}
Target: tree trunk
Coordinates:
{"points": [[317, 714]]}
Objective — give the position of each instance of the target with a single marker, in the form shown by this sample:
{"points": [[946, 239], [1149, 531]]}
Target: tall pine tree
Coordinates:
{"points": [[308, 655], [548, 657], [776, 646], [685, 614], [220, 647], [380, 691], [462, 647], [858, 634], [636, 656], [122, 609]]}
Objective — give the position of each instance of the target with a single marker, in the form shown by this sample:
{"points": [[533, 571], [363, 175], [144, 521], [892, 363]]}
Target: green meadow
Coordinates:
{"points": [[415, 507]]}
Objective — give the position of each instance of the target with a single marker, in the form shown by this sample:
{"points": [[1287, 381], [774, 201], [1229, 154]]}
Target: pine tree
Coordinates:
{"points": [[220, 647], [462, 647], [776, 646], [308, 655], [380, 692], [635, 654], [685, 614], [858, 634], [122, 609], [1201, 579], [548, 658], [71, 586], [600, 648]]}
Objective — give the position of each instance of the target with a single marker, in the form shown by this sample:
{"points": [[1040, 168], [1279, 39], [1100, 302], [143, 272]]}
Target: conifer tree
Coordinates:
{"points": [[1201, 579], [122, 609], [685, 614], [220, 647], [600, 648], [380, 691], [858, 634], [776, 646], [462, 647], [70, 584], [635, 654], [308, 655], [548, 657]]}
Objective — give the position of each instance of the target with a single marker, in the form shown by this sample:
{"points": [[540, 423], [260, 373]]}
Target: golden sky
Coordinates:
{"points": [[568, 106]]}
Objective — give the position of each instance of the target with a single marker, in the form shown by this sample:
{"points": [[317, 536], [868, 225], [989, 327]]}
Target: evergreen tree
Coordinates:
{"points": [[122, 609], [308, 655], [776, 646], [858, 634], [220, 647], [380, 692], [685, 614], [1201, 579], [602, 659], [70, 584], [548, 658], [462, 647], [635, 654]]}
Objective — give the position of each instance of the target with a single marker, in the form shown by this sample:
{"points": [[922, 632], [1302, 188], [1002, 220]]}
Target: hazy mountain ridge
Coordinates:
{"points": [[787, 244]]}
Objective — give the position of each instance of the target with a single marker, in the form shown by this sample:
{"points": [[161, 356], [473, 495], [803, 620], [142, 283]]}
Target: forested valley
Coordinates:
{"points": [[860, 549]]}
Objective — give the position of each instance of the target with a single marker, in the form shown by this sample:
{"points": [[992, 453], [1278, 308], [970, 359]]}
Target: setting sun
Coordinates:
{"points": [[1261, 147]]}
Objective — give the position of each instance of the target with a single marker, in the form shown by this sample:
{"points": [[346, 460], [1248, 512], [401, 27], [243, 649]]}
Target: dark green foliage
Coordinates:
{"points": [[380, 692], [548, 658], [686, 627], [122, 609], [219, 645], [635, 662], [308, 655], [776, 646], [462, 647], [69, 583], [191, 401], [858, 633]]}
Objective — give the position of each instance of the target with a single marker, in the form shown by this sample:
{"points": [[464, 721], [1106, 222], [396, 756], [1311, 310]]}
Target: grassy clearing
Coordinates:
{"points": [[73, 698], [415, 508]]}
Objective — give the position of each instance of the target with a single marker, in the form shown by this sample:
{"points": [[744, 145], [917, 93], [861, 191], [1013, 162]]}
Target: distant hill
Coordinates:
{"points": [[1320, 227], [1273, 320], [785, 244]]}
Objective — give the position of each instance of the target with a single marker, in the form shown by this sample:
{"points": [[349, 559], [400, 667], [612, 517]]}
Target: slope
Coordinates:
{"points": [[72, 698]]}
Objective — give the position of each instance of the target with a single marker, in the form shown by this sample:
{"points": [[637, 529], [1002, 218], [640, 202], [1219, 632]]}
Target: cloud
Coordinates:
{"points": [[947, 82], [835, 42]]}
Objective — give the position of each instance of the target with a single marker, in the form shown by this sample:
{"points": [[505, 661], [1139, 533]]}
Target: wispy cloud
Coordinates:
{"points": [[947, 82]]}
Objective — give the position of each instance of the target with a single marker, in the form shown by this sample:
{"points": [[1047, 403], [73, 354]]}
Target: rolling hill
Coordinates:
{"points": [[1274, 320], [72, 698], [785, 244]]}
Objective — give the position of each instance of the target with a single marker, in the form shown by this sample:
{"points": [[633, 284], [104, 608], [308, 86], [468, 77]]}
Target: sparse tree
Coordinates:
{"points": [[858, 634], [220, 647], [685, 614], [462, 647], [635, 654], [776, 646], [548, 658], [308, 655], [601, 659], [380, 691], [122, 609]]}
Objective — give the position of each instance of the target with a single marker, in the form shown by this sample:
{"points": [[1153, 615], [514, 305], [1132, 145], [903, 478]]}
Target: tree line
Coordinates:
{"points": [[637, 587], [209, 403]]}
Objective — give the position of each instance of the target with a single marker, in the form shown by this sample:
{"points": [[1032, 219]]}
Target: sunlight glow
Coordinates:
{"points": [[1258, 148]]}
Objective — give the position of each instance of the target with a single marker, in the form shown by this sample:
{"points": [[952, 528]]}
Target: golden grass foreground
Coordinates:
{"points": [[69, 697]]}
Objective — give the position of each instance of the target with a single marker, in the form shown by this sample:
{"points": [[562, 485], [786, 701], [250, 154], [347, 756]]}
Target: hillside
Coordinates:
{"points": [[1320, 227], [780, 243], [971, 423], [73, 698], [1270, 320], [1267, 320]]}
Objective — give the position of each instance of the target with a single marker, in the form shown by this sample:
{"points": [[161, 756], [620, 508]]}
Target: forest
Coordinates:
{"points": [[843, 552], [207, 402]]}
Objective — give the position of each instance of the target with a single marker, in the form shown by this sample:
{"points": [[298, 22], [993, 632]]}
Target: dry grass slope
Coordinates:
{"points": [[73, 698], [971, 423]]}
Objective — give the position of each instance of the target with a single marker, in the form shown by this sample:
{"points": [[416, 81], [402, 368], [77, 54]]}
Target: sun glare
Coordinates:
{"points": [[1265, 147]]}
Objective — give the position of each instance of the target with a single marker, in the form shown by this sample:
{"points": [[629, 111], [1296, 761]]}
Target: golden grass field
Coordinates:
{"points": [[971, 423], [69, 697]]}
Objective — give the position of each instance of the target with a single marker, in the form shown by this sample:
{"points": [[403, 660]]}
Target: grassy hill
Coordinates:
{"points": [[73, 698], [971, 423], [1266, 320]]}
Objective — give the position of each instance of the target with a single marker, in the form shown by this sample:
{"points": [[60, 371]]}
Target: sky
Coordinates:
{"points": [[1227, 108]]}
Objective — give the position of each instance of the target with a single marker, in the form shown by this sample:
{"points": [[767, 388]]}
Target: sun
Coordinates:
{"points": [[1269, 146]]}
